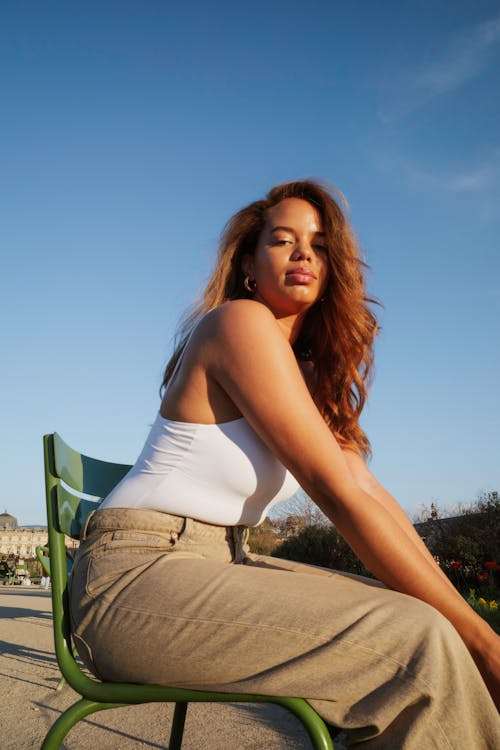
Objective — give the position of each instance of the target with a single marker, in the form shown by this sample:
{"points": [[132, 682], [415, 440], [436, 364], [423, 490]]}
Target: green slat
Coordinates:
{"points": [[72, 511], [86, 474], [68, 464]]}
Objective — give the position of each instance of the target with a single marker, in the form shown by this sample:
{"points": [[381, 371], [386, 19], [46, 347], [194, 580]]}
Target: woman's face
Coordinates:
{"points": [[290, 263]]}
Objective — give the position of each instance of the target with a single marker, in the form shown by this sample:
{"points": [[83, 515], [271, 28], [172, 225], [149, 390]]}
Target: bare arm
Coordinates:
{"points": [[366, 480], [250, 359]]}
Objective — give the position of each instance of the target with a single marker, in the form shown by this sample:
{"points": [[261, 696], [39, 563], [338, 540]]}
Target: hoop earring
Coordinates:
{"points": [[250, 285]]}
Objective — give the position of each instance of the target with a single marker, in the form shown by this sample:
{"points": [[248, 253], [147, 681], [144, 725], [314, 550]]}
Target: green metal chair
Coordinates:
{"points": [[66, 512], [42, 554]]}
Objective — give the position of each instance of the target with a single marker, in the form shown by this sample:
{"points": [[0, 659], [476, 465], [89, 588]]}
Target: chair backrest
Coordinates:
{"points": [[68, 475]]}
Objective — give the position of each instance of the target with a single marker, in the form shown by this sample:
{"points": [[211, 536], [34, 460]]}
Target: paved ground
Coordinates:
{"points": [[29, 701]]}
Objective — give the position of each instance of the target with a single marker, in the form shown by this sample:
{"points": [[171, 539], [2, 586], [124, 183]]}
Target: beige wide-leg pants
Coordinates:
{"points": [[161, 599]]}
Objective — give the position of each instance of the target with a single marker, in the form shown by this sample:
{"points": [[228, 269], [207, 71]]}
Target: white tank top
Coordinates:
{"points": [[218, 473]]}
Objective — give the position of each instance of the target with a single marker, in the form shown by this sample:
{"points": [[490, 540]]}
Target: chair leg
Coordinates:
{"points": [[177, 730], [312, 722], [69, 718], [62, 681]]}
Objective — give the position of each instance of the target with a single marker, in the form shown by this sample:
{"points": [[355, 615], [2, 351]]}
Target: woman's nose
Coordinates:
{"points": [[302, 250]]}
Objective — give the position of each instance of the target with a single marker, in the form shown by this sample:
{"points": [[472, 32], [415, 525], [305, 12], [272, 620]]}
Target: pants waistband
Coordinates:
{"points": [[175, 529]]}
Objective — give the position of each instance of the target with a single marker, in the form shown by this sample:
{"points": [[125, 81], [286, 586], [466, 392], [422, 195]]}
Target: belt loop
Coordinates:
{"points": [[83, 534], [183, 527]]}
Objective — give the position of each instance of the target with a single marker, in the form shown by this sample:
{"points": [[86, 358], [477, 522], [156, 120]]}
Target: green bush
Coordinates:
{"points": [[321, 545], [467, 546]]}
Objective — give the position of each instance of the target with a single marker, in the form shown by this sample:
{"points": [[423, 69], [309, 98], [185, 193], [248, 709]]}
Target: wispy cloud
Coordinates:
{"points": [[472, 181], [463, 58], [480, 183], [466, 56]]}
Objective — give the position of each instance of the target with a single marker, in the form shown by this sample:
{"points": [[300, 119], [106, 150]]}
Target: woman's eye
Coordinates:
{"points": [[320, 248]]}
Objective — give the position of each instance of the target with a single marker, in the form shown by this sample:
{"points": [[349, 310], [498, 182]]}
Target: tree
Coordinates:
{"points": [[302, 507]]}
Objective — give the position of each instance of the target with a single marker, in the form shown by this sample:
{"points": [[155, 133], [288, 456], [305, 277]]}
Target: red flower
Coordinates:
{"points": [[490, 565], [482, 576], [456, 565]]}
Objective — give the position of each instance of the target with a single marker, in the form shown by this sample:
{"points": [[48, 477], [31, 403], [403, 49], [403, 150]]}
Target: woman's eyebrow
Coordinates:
{"points": [[292, 231], [283, 229]]}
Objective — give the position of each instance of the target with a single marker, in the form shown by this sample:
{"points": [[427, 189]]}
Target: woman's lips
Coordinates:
{"points": [[301, 276]]}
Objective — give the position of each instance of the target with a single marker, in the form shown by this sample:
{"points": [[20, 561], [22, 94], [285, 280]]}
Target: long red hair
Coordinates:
{"points": [[338, 332]]}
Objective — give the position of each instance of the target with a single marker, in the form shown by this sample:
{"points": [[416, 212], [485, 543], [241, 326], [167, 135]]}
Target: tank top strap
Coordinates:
{"points": [[181, 355]]}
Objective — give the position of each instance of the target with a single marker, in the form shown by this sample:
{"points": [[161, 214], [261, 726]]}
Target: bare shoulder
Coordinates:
{"points": [[239, 312], [241, 339], [238, 321]]}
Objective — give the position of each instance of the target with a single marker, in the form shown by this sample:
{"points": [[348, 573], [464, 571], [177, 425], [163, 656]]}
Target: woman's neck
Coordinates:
{"points": [[290, 326]]}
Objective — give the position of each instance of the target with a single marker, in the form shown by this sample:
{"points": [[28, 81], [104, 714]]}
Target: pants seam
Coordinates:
{"points": [[319, 639], [405, 676]]}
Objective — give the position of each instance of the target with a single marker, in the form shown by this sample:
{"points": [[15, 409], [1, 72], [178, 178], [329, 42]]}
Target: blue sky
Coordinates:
{"points": [[131, 131]]}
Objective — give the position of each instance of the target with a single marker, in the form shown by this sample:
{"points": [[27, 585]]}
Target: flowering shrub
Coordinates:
{"points": [[468, 542], [487, 609]]}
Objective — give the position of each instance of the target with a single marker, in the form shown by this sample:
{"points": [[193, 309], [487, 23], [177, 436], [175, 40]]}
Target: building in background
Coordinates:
{"points": [[22, 541]]}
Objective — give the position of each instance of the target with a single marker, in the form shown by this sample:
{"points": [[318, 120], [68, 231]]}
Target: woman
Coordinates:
{"points": [[265, 392]]}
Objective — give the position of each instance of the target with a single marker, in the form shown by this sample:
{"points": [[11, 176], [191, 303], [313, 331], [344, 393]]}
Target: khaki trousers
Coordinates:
{"points": [[160, 599]]}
